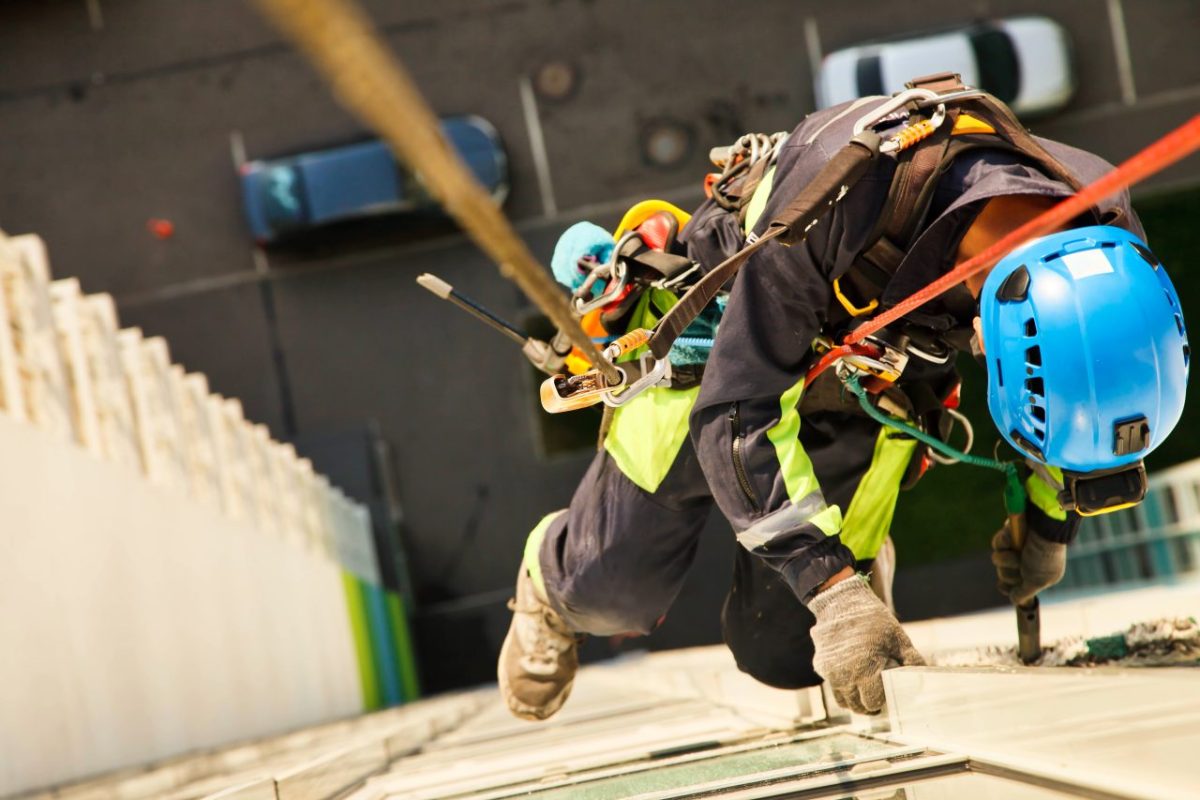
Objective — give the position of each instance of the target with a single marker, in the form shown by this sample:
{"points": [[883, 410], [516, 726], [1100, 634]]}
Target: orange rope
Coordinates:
{"points": [[1176, 145]]}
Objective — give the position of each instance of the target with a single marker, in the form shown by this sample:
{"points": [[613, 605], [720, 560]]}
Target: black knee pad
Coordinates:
{"points": [[766, 627]]}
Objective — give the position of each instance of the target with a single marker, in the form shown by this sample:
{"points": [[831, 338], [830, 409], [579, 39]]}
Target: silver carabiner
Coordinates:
{"points": [[618, 275], [922, 98], [659, 375], [897, 102], [664, 283]]}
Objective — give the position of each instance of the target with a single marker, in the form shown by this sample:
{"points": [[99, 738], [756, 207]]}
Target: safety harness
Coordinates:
{"points": [[924, 129], [962, 119]]}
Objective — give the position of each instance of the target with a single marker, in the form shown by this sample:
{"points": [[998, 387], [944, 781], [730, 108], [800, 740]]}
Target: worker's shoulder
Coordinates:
{"points": [[1084, 165]]}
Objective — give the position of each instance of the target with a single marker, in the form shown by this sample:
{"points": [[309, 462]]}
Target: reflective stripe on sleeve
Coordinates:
{"points": [[787, 519], [758, 201]]}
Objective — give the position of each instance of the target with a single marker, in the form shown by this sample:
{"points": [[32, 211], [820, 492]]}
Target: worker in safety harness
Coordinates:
{"points": [[613, 562], [1081, 332]]}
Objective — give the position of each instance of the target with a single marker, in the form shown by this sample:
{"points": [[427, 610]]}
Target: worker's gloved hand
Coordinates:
{"points": [[856, 638], [1022, 574]]}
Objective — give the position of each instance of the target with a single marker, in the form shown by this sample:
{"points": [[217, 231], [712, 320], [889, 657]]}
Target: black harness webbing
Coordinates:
{"points": [[904, 210]]}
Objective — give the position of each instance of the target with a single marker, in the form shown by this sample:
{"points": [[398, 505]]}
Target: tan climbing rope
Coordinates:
{"points": [[338, 38]]}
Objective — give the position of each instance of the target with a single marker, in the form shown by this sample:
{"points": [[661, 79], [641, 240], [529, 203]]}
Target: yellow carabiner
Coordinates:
{"points": [[852, 309]]}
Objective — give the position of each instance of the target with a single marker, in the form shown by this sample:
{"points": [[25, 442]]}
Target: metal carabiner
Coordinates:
{"points": [[897, 102], [659, 375], [664, 283], [618, 275], [914, 132], [921, 98]]}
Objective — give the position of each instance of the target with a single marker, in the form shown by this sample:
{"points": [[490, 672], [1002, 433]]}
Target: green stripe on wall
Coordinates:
{"points": [[383, 646], [410, 683], [360, 630]]}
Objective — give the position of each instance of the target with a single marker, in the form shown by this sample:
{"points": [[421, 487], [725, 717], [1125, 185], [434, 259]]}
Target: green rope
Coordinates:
{"points": [[1014, 492]]}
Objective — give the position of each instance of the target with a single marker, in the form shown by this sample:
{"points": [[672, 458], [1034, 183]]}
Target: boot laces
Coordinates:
{"points": [[543, 634]]}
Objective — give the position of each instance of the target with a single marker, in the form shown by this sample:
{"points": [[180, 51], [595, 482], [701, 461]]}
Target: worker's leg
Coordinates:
{"points": [[612, 562], [859, 468], [615, 560]]}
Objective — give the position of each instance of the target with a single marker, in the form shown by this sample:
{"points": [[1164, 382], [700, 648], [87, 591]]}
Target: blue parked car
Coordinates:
{"points": [[288, 195]]}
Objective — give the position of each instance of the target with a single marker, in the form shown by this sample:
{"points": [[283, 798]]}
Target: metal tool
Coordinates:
{"points": [[447, 292], [549, 357], [1029, 618]]}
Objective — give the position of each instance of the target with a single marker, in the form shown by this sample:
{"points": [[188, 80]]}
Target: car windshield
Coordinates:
{"points": [[868, 75], [999, 70], [282, 197]]}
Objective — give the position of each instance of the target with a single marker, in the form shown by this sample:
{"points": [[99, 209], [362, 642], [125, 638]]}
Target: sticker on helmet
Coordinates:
{"points": [[1087, 263]]}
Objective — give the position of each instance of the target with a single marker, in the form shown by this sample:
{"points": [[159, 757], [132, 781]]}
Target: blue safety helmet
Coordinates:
{"points": [[1086, 349]]}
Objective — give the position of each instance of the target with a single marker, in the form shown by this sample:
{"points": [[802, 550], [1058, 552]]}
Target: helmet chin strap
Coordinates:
{"points": [[1103, 491]]}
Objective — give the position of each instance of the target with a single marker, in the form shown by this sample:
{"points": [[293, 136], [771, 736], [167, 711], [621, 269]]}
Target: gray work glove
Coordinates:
{"points": [[856, 638], [1022, 574]]}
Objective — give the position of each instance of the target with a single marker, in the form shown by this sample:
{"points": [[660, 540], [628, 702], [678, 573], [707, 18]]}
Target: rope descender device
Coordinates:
{"points": [[879, 359], [568, 392]]}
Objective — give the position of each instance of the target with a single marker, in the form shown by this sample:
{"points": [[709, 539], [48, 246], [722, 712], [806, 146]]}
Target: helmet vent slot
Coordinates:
{"points": [[1179, 324], [1187, 354], [1028, 446], [1030, 327], [1038, 413], [1036, 386], [1033, 356], [1146, 254]]}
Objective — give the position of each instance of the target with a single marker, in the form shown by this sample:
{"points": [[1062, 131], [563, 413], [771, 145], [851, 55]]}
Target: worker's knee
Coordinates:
{"points": [[766, 627], [605, 603], [770, 656]]}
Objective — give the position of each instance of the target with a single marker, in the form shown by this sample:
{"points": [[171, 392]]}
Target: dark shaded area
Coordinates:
{"points": [[1173, 235], [945, 587]]}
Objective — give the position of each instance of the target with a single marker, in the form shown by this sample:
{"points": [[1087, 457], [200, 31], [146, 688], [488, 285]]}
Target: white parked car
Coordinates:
{"points": [[1024, 61]]}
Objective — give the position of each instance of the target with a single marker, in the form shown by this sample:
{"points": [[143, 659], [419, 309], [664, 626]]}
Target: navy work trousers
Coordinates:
{"points": [[614, 561]]}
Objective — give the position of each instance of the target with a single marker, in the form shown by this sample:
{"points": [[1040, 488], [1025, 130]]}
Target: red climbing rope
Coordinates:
{"points": [[1176, 145]]}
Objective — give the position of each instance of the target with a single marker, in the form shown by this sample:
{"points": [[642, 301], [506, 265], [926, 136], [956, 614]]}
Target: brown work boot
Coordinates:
{"points": [[539, 657]]}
